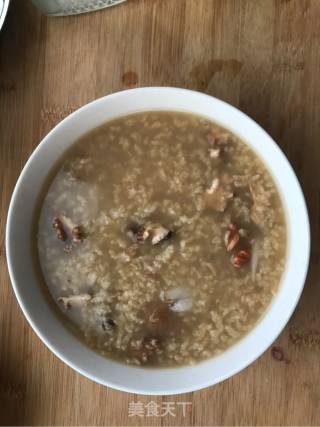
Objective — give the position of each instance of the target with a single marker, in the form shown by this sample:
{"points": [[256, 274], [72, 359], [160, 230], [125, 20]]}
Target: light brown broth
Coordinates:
{"points": [[147, 176]]}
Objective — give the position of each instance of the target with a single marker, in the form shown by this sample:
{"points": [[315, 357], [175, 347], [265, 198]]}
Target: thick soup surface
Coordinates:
{"points": [[162, 238]]}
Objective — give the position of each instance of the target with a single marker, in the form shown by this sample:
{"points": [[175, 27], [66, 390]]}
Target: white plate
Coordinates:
{"points": [[73, 7], [34, 304]]}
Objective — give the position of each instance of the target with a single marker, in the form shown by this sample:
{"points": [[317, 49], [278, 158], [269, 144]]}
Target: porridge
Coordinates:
{"points": [[161, 238]]}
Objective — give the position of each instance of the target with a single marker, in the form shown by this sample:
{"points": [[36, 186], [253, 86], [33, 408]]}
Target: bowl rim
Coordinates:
{"points": [[3, 12], [248, 359]]}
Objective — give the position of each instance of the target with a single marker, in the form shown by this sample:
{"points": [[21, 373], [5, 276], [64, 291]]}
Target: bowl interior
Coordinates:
{"points": [[35, 305]]}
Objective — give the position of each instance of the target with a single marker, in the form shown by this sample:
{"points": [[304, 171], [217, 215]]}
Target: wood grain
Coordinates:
{"points": [[260, 55]]}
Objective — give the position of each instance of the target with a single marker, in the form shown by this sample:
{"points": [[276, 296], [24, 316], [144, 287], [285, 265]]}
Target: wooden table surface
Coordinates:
{"points": [[262, 56]]}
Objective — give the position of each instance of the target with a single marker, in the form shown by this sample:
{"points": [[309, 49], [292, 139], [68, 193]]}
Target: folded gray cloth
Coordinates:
{"points": [[72, 7]]}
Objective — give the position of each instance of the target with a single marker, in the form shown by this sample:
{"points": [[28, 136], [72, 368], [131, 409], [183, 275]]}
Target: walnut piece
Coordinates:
{"points": [[231, 237], [78, 234], [156, 232], [217, 140], [60, 231], [108, 324], [74, 300], [214, 153], [217, 195], [178, 299], [142, 234], [66, 230], [240, 258]]}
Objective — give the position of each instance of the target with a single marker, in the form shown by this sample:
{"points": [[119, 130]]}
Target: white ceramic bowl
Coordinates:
{"points": [[4, 4], [34, 304]]}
